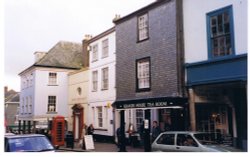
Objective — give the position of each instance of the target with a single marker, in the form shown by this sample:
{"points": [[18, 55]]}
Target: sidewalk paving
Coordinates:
{"points": [[101, 147]]}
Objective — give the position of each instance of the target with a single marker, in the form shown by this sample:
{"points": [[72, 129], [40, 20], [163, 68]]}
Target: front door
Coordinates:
{"points": [[77, 121]]}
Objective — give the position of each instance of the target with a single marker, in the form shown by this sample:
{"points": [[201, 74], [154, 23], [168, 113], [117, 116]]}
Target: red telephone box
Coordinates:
{"points": [[57, 131]]}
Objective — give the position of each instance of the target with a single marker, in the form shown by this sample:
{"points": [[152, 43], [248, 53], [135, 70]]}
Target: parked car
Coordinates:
{"points": [[27, 143], [184, 141]]}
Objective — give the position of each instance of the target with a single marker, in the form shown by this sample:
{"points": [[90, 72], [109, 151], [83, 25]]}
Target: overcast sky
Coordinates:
{"points": [[37, 25]]}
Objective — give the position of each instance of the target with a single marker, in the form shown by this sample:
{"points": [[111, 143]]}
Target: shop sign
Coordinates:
{"points": [[151, 103]]}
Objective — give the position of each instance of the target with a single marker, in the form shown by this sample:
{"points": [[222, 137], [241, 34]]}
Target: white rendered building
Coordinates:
{"points": [[102, 90], [44, 85]]}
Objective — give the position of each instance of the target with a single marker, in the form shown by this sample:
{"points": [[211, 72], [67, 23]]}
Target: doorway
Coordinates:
{"points": [[77, 121]]}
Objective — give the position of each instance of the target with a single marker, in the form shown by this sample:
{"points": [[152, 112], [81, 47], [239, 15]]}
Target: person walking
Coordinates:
{"points": [[83, 133], [155, 131], [119, 135], [91, 129]]}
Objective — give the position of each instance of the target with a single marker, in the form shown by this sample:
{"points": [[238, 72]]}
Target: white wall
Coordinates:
{"points": [[78, 79], [42, 91], [27, 91], [195, 32], [102, 97]]}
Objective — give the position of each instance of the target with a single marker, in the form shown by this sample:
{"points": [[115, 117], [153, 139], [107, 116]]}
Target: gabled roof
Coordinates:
{"points": [[11, 96], [141, 10], [63, 55]]}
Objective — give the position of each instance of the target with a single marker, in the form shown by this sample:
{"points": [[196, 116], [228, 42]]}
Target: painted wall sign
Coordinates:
{"points": [[151, 103]]}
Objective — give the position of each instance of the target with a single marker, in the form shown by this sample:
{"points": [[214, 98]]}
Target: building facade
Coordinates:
{"points": [[44, 86], [78, 101], [216, 67], [102, 89], [149, 66], [11, 109]]}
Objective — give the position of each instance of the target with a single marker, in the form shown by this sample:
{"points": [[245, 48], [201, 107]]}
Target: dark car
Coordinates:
{"points": [[27, 143]]}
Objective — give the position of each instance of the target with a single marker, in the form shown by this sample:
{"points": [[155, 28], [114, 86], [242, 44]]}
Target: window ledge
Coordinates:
{"points": [[53, 85], [51, 112], [101, 129]]}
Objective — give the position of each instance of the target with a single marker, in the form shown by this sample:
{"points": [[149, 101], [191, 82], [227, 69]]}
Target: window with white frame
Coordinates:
{"points": [[94, 81], [105, 48], [30, 105], [95, 53], [51, 104], [27, 105], [22, 106], [105, 80], [100, 116], [220, 32], [143, 27], [52, 78], [139, 116], [143, 74]]}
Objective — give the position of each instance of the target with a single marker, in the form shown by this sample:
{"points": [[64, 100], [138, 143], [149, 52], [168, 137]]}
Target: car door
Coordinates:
{"points": [[166, 142], [186, 143]]}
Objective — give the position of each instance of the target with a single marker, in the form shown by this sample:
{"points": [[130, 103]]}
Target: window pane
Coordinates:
{"points": [[166, 139], [143, 27], [220, 34]]}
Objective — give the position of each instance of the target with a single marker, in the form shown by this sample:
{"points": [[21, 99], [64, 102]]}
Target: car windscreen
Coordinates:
{"points": [[208, 138], [29, 144]]}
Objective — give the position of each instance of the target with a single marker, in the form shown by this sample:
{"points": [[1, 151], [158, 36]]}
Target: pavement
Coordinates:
{"points": [[100, 147]]}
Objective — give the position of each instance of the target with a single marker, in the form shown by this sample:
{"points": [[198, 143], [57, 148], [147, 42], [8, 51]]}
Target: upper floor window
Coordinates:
{"points": [[143, 74], [52, 78], [95, 53], [220, 33], [94, 81], [143, 27], [51, 104], [105, 73], [105, 48]]}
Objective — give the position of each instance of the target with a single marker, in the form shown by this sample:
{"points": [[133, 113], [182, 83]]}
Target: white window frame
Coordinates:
{"points": [[52, 78], [105, 48], [95, 53], [143, 30], [143, 74], [94, 81], [51, 104], [26, 108], [30, 105], [100, 120], [105, 78]]}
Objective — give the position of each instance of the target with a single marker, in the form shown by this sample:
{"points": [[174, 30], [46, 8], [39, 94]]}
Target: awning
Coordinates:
{"points": [[151, 103]]}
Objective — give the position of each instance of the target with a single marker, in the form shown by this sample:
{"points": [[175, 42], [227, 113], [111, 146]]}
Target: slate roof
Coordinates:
{"points": [[11, 96], [63, 55]]}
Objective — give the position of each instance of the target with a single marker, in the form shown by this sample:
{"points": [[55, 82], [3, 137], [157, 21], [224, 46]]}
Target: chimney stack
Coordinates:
{"points": [[5, 89], [87, 37], [117, 17], [39, 55]]}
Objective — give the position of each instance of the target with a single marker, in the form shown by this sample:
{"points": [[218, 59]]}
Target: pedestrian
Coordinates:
{"points": [[130, 132], [119, 135], [141, 132], [91, 129], [83, 133], [155, 130]]}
